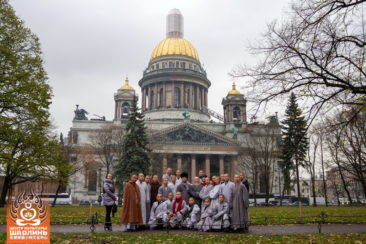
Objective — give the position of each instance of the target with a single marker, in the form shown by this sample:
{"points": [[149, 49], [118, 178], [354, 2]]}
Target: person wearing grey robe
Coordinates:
{"points": [[184, 187], [239, 216], [205, 222], [157, 212], [168, 207], [179, 209], [144, 196], [168, 174], [164, 189], [205, 191], [215, 192], [227, 189], [148, 202], [192, 215], [195, 190], [220, 219]]}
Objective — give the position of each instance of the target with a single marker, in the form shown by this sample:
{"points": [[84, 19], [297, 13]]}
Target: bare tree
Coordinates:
{"points": [[261, 154], [106, 144], [310, 163], [318, 53]]}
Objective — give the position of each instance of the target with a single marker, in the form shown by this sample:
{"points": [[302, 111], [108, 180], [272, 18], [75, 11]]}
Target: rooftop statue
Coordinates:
{"points": [[80, 114], [235, 132], [186, 115]]}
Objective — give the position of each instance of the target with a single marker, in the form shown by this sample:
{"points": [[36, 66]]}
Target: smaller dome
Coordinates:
{"points": [[126, 86], [234, 91]]}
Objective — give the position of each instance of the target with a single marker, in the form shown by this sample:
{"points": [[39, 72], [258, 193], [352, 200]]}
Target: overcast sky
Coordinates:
{"points": [[90, 46]]}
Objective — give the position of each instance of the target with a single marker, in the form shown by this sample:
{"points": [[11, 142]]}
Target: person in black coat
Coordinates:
{"points": [[244, 180]]}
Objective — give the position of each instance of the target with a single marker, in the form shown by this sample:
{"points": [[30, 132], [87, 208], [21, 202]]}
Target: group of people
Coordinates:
{"points": [[206, 204]]}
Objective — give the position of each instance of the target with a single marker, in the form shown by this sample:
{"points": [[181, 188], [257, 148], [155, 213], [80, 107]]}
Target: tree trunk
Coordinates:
{"points": [[344, 184], [323, 173], [298, 182], [56, 195], [313, 189], [6, 187]]}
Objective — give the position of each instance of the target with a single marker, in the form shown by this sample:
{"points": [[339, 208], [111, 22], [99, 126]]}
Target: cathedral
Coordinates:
{"points": [[183, 132]]}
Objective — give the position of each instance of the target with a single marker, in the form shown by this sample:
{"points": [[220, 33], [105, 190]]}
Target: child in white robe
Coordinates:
{"points": [[206, 217], [220, 218], [192, 215], [157, 212]]}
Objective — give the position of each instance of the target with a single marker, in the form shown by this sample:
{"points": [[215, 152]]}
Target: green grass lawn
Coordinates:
{"points": [[111, 238], [259, 215]]}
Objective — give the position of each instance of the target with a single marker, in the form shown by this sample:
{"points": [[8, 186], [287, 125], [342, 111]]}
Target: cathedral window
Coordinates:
{"points": [[92, 180], [158, 66], [183, 65], [236, 114], [177, 97], [161, 97], [171, 65], [177, 64], [152, 99], [125, 110], [168, 98]]}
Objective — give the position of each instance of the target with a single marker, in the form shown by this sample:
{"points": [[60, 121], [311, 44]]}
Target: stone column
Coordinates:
{"points": [[143, 99], [207, 165], [164, 95], [165, 163], [193, 166], [156, 95], [221, 164], [182, 95], [179, 162], [234, 166]]}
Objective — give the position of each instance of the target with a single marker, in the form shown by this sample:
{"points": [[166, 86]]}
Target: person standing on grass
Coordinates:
{"points": [[109, 197], [244, 180], [168, 174], [165, 189], [155, 184], [239, 216], [144, 196], [148, 200], [173, 184], [178, 174], [205, 191], [131, 211], [184, 187]]}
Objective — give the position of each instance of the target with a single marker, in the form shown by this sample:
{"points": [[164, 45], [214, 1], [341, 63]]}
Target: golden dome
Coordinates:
{"points": [[234, 91], [126, 86], [174, 46]]}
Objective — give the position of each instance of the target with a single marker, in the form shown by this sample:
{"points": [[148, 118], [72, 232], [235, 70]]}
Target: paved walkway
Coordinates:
{"points": [[255, 229]]}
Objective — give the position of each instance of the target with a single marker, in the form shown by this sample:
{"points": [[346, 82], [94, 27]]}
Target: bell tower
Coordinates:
{"points": [[234, 107], [123, 101]]}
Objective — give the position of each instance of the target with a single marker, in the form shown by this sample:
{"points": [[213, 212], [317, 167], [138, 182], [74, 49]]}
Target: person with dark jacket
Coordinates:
{"points": [[195, 190], [244, 180], [109, 197], [155, 184]]}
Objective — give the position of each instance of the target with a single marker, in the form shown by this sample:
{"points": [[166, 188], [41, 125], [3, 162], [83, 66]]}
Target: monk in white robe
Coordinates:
{"points": [[205, 222], [158, 209], [168, 207], [239, 216], [220, 218], [178, 211], [205, 191], [144, 196], [215, 192], [192, 215], [227, 189]]}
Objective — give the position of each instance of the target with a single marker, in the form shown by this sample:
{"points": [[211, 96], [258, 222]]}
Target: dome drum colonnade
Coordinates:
{"points": [[174, 79]]}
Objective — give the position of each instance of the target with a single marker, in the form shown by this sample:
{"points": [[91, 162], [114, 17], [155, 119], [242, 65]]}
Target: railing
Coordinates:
{"points": [[319, 220]]}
